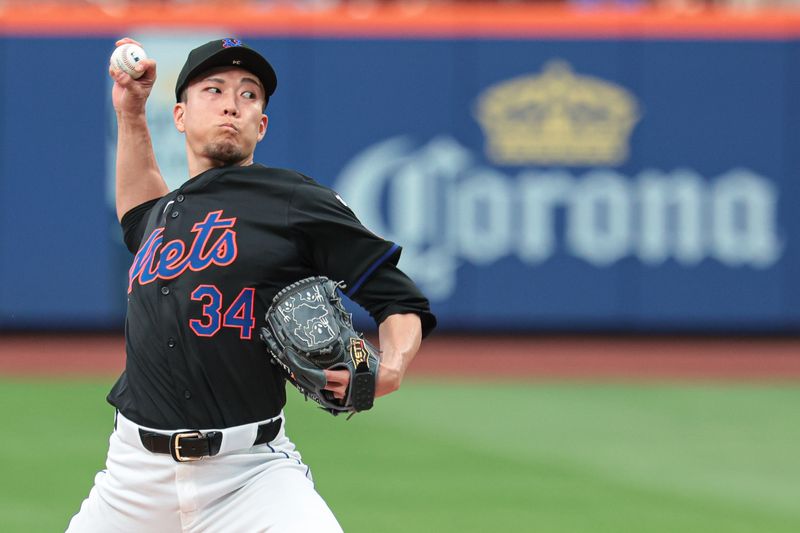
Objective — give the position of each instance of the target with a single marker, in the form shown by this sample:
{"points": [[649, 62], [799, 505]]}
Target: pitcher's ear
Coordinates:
{"points": [[178, 113], [262, 127]]}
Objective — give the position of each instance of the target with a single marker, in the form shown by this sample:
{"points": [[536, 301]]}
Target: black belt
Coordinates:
{"points": [[194, 445]]}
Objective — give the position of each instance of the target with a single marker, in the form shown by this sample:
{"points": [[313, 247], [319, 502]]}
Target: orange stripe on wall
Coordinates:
{"points": [[487, 21]]}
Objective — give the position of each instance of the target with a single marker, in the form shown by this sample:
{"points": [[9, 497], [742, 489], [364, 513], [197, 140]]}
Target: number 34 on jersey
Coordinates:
{"points": [[214, 244]]}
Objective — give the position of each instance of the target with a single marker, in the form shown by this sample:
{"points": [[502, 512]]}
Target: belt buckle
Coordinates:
{"points": [[175, 446]]}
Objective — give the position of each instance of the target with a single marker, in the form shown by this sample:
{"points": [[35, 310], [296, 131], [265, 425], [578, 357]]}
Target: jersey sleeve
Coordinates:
{"points": [[389, 291], [134, 223], [332, 240]]}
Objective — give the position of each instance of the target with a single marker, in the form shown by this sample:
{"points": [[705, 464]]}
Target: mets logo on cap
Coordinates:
{"points": [[230, 43]]}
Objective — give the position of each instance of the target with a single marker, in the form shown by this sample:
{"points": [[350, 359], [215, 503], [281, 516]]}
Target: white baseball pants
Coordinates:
{"points": [[245, 488]]}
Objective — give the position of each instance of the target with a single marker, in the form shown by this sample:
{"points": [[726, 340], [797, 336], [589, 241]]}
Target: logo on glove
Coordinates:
{"points": [[358, 352]]}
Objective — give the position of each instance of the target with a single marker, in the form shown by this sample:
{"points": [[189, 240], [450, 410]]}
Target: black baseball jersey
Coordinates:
{"points": [[210, 256]]}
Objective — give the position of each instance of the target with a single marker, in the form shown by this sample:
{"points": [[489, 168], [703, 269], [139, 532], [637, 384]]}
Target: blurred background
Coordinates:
{"points": [[597, 196]]}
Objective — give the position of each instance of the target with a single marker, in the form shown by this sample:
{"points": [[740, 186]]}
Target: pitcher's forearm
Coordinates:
{"points": [[400, 336], [138, 178]]}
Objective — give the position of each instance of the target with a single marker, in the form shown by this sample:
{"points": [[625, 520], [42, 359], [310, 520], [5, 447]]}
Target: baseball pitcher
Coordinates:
{"points": [[234, 289]]}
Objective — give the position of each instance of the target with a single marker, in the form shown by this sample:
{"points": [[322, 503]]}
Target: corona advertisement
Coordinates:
{"points": [[538, 183]]}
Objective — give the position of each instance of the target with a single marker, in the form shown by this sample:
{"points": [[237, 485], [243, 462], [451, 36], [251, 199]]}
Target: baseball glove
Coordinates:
{"points": [[309, 331]]}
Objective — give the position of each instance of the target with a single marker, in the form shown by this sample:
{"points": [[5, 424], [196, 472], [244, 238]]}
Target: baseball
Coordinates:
{"points": [[125, 58]]}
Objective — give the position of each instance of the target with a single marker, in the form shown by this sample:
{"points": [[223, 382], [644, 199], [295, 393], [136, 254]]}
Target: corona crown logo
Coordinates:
{"points": [[557, 117]]}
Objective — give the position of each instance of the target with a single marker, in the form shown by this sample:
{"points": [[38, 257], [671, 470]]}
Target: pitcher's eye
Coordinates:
{"points": [[249, 94]]}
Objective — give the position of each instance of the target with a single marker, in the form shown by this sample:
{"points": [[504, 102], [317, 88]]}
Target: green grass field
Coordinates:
{"points": [[472, 457]]}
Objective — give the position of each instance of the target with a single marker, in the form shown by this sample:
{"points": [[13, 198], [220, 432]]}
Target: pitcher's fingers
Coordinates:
{"points": [[337, 377], [338, 391], [124, 80], [337, 382], [148, 67], [128, 40], [116, 74]]}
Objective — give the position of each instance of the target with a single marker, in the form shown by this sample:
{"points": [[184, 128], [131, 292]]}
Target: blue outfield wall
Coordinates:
{"points": [[622, 185]]}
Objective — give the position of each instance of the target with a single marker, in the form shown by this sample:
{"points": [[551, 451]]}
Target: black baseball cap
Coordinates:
{"points": [[226, 53]]}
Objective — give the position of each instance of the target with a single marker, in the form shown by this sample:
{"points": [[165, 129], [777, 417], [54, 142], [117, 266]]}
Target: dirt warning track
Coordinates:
{"points": [[519, 357]]}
